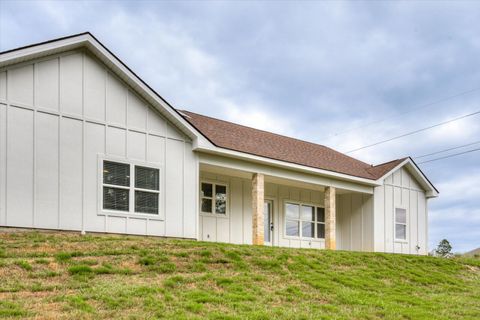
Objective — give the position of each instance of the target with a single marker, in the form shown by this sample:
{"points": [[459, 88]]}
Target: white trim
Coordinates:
{"points": [[131, 213]]}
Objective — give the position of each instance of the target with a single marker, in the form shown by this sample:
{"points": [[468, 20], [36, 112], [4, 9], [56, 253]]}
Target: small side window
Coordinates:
{"points": [[400, 224]]}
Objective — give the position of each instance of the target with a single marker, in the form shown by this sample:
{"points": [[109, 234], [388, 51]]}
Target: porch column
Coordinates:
{"points": [[257, 208], [330, 233]]}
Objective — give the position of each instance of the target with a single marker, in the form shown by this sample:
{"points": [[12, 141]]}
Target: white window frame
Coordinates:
{"points": [[227, 199], [395, 224], [131, 202], [315, 222]]}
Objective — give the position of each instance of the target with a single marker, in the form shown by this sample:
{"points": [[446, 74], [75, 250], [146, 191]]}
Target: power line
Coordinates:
{"points": [[452, 155], [420, 107], [413, 132], [445, 150]]}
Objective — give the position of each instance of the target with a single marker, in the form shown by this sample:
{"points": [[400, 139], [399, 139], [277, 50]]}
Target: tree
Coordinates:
{"points": [[444, 249]]}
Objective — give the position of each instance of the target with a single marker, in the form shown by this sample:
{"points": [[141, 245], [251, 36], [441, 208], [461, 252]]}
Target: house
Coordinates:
{"points": [[86, 145]]}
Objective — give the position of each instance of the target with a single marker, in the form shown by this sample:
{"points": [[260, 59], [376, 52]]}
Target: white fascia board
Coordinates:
{"points": [[430, 190], [43, 49], [118, 67], [285, 165]]}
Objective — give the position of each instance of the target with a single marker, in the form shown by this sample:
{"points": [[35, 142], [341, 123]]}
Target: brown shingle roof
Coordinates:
{"points": [[236, 137]]}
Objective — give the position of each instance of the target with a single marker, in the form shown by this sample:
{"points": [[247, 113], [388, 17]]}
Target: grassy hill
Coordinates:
{"points": [[65, 275]]}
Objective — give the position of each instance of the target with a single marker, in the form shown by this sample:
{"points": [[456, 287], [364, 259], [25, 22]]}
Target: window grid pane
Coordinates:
{"points": [[292, 211], [308, 213], [292, 228], [207, 205], [220, 199], [400, 231], [320, 231], [308, 229], [146, 178], [116, 199], [320, 214], [400, 215], [116, 173], [207, 190], [146, 202]]}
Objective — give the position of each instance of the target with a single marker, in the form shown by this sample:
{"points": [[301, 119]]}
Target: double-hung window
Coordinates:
{"points": [[213, 198], [304, 221], [130, 188], [400, 224]]}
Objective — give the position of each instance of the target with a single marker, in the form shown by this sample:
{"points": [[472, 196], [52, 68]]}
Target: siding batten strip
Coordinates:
{"points": [[416, 195], [197, 198], [83, 144], [58, 169], [7, 106], [6, 154], [184, 145], [127, 131], [34, 175], [164, 194]]}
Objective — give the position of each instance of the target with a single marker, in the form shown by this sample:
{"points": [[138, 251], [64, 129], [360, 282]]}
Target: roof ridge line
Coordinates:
{"points": [[277, 134], [384, 163]]}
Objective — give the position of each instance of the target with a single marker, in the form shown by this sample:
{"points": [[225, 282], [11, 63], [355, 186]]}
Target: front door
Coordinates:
{"points": [[268, 222]]}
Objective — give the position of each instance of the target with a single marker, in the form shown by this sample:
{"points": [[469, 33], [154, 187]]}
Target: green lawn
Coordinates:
{"points": [[68, 276]]}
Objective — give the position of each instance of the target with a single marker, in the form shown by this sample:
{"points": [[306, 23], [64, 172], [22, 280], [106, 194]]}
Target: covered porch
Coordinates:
{"points": [[251, 204]]}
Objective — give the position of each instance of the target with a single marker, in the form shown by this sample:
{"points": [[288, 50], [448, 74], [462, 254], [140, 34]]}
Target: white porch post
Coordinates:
{"points": [[330, 205], [257, 208]]}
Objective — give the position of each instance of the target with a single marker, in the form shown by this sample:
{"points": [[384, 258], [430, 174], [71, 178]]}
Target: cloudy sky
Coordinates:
{"points": [[342, 74]]}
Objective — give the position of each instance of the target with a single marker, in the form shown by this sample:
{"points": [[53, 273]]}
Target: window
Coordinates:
{"points": [[214, 198], [304, 221], [400, 224], [120, 189]]}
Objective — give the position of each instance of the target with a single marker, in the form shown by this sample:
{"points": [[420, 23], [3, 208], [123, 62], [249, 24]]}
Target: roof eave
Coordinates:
{"points": [[283, 164]]}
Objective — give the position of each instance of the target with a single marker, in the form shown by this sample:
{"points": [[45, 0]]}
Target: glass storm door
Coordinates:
{"points": [[268, 222]]}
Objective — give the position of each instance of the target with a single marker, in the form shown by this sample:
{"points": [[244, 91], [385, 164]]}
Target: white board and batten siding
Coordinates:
{"points": [[236, 225], [58, 117], [354, 222], [400, 190]]}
